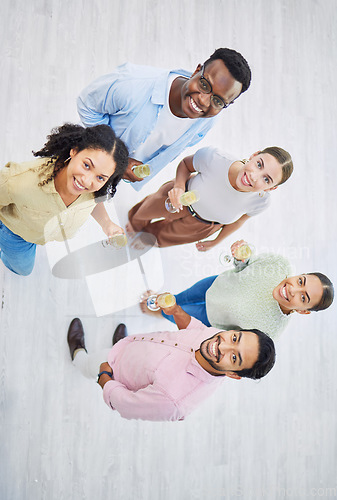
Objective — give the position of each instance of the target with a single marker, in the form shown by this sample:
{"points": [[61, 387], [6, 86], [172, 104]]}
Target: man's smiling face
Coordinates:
{"points": [[195, 103], [228, 352]]}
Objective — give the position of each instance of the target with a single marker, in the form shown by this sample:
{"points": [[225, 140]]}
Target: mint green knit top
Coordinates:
{"points": [[245, 298]]}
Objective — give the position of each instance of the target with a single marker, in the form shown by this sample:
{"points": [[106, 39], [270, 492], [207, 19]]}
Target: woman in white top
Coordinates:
{"points": [[230, 192]]}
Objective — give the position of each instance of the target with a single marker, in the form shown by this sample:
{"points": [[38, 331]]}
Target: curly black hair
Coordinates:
{"points": [[236, 65], [100, 137]]}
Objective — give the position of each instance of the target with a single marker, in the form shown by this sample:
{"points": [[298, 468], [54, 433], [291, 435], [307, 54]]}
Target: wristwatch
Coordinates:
{"points": [[107, 373]]}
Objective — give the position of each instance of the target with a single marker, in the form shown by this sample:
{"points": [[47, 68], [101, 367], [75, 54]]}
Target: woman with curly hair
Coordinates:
{"points": [[49, 198]]}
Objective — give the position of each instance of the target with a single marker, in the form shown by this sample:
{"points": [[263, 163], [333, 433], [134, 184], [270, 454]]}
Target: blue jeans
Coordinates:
{"points": [[193, 300], [16, 253]]}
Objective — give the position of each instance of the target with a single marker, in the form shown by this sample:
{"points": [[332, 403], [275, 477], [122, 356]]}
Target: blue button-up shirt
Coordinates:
{"points": [[130, 100]]}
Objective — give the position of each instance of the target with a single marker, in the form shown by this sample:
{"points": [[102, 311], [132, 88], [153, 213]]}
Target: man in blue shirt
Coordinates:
{"points": [[159, 113]]}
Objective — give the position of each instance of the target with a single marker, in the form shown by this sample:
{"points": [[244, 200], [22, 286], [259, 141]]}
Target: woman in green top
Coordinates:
{"points": [[51, 197], [261, 295]]}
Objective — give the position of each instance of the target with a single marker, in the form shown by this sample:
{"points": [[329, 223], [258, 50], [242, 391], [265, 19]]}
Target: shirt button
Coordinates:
{"points": [[152, 338], [175, 344], [143, 338], [191, 349], [162, 341], [134, 338]]}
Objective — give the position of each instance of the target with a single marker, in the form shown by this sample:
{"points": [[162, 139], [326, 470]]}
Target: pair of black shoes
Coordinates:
{"points": [[76, 336]]}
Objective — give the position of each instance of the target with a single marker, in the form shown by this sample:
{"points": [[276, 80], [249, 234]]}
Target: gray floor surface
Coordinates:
{"points": [[273, 439]]}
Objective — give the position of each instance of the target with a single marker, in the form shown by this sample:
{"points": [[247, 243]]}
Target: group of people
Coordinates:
{"points": [[144, 115]]}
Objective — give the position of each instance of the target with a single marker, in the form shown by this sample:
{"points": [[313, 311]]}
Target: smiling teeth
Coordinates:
{"points": [[284, 292], [195, 107], [214, 350], [77, 184], [246, 181]]}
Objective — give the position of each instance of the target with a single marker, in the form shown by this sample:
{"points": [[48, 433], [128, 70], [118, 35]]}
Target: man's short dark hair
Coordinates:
{"points": [[236, 65], [266, 359]]}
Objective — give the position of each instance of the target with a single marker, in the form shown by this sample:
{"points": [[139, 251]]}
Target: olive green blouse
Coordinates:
{"points": [[37, 213]]}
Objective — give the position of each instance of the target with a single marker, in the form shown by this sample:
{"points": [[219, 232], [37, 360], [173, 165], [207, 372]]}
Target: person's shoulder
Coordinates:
{"points": [[18, 168], [214, 153], [276, 261], [140, 71], [283, 263], [181, 72], [224, 155]]}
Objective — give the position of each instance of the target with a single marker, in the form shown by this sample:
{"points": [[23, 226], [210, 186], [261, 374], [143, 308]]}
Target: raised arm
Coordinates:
{"points": [[181, 318], [184, 171], [101, 216], [225, 231]]}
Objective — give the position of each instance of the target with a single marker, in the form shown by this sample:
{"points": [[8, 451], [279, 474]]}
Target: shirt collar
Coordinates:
{"points": [[45, 171], [159, 90], [49, 187], [195, 369]]}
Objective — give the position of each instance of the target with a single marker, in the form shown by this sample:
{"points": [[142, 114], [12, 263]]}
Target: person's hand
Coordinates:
{"points": [[111, 229], [174, 195], [236, 245], [170, 310], [103, 379], [128, 174], [105, 367], [203, 246]]}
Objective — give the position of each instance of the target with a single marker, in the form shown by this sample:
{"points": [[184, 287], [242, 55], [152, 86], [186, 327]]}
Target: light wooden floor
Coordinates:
{"points": [[273, 439]]}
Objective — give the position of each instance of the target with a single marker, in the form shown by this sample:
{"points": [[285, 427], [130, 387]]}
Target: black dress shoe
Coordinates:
{"points": [[75, 336], [119, 334]]}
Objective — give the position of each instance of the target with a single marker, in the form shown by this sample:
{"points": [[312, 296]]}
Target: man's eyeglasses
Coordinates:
{"points": [[206, 88]]}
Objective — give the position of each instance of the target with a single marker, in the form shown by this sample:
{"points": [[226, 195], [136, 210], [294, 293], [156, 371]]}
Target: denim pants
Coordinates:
{"points": [[16, 253], [193, 300]]}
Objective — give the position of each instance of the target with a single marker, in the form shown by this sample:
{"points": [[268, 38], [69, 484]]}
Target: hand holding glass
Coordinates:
{"points": [[186, 199], [162, 300], [116, 241], [141, 171], [241, 254]]}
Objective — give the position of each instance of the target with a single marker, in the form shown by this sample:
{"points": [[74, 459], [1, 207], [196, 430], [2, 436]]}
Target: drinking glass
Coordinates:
{"points": [[162, 300], [186, 199], [241, 255], [116, 241], [140, 171]]}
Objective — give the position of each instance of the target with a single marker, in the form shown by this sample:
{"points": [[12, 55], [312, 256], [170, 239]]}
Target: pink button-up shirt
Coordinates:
{"points": [[156, 375]]}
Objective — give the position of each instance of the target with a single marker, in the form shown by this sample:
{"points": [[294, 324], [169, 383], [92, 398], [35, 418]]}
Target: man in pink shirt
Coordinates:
{"points": [[165, 375]]}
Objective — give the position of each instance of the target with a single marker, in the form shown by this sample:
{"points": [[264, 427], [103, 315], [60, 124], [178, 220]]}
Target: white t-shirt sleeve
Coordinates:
{"points": [[203, 158], [261, 205], [219, 201]]}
